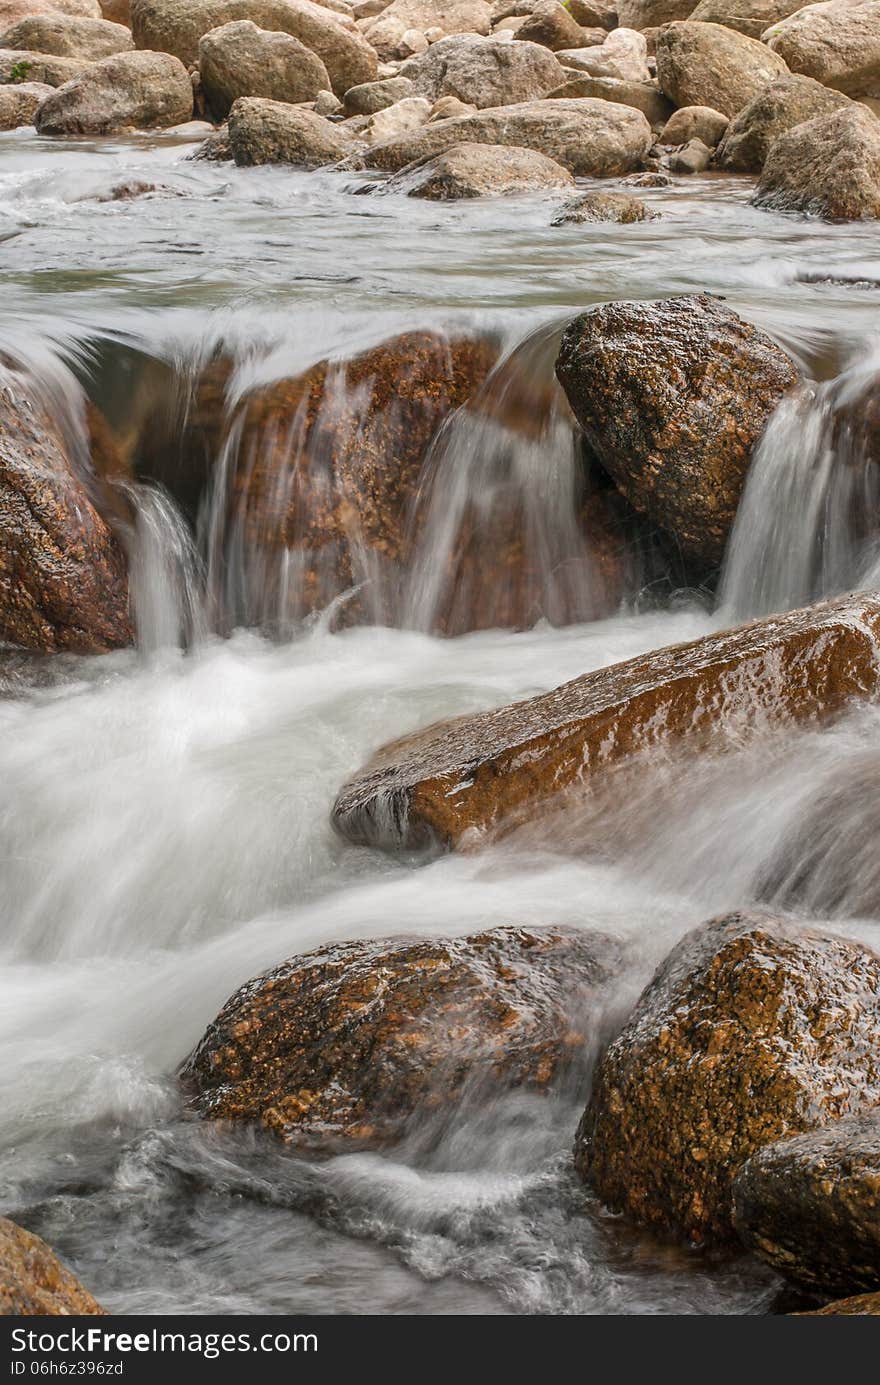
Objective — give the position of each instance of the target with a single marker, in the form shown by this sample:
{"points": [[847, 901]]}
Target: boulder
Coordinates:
{"points": [[827, 167], [357, 1042], [460, 779], [239, 59], [746, 16], [623, 55], [592, 15], [141, 91], [694, 122], [644, 96], [274, 132], [787, 102], [604, 206], [860, 1306], [550, 24], [117, 11], [176, 26], [693, 157], [589, 138], [66, 36], [327, 104], [708, 65], [370, 97], [34, 1282], [752, 1029], [480, 170], [63, 579], [17, 66], [18, 103], [11, 11], [484, 72], [386, 31], [651, 14], [838, 44], [810, 1205], [673, 397], [397, 121]]}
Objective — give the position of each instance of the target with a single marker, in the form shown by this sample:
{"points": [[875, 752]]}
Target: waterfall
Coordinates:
{"points": [[165, 574]]}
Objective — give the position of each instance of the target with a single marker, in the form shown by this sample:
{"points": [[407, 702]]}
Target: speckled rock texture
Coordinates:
{"points": [[604, 206], [479, 170], [710, 65], [33, 1281], [351, 1042], [63, 579], [460, 779], [827, 167], [810, 1206], [858, 1306], [752, 1029], [129, 91], [67, 36], [787, 102], [262, 131], [672, 397]]}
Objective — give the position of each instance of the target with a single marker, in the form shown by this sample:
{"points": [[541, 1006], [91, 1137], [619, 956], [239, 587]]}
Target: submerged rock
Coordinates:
{"points": [[787, 102], [827, 167], [480, 170], [673, 397], [498, 769], [265, 132], [709, 65], [838, 44], [604, 206], [63, 581], [239, 59], [752, 1029], [34, 1282], [353, 1042], [141, 91], [810, 1206]]}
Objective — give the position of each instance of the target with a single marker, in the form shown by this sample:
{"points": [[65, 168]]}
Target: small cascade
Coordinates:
{"points": [[165, 574], [808, 524]]}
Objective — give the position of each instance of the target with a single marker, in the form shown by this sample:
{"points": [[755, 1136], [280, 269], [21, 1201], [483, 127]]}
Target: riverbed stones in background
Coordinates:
{"points": [[673, 397], [787, 102], [18, 103], [708, 65], [693, 157], [34, 1282], [694, 122], [265, 132], [810, 1206], [239, 59], [651, 14], [484, 72], [370, 97], [750, 17], [589, 138], [349, 1043], [141, 91], [827, 167], [387, 31], [397, 121], [11, 11], [65, 36], [551, 25], [461, 779], [753, 1028], [644, 96], [838, 44], [603, 206], [63, 581], [623, 56], [480, 170], [44, 68]]}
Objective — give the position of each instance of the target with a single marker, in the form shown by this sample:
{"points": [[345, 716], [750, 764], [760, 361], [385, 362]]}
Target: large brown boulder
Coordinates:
{"points": [[63, 582], [787, 102], [176, 26], [708, 65], [673, 397], [33, 1281], [239, 59], [352, 1042], [752, 1029], [836, 43], [810, 1206], [38, 67], [859, 1306], [139, 91], [750, 17], [461, 779], [590, 138], [483, 72], [266, 132], [827, 167], [479, 170], [66, 36]]}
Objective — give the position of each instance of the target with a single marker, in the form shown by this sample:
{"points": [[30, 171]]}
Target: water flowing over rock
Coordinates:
{"points": [[837, 44], [63, 582], [827, 167], [350, 1043], [68, 37], [673, 397], [266, 132], [34, 1282], [241, 60], [810, 1206], [484, 72], [752, 1029], [467, 777], [708, 65], [589, 138], [479, 170], [787, 102], [142, 91]]}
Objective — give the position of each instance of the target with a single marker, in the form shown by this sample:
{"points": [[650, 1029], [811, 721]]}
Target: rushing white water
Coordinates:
{"points": [[164, 828]]}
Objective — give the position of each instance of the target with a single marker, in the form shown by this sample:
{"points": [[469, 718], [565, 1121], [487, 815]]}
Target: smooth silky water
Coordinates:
{"points": [[164, 830]]}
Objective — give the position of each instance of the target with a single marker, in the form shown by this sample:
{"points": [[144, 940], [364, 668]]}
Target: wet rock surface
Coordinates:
{"points": [[603, 206], [480, 170], [462, 778], [810, 1206], [34, 1282], [752, 1029], [261, 131], [353, 1042]]}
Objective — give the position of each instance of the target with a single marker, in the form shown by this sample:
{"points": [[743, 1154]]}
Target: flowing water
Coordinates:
{"points": [[164, 829]]}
